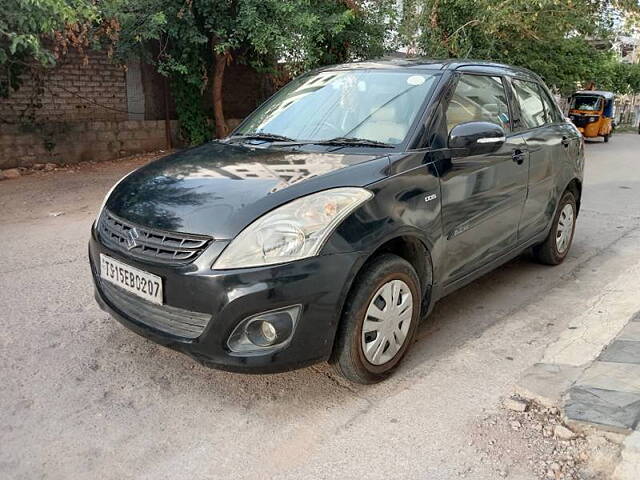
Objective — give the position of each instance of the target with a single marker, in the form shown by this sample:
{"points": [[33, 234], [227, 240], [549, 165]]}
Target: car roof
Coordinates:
{"points": [[421, 63], [601, 93]]}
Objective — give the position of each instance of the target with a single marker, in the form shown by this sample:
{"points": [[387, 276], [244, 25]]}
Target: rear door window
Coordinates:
{"points": [[532, 112], [478, 98], [552, 111]]}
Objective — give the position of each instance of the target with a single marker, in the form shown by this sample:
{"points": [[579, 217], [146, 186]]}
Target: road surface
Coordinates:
{"points": [[83, 397]]}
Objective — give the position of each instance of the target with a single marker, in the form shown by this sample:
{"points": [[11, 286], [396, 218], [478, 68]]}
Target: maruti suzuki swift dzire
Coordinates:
{"points": [[326, 226]]}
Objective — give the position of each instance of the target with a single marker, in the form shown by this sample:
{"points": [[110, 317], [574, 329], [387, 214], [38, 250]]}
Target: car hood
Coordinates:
{"points": [[217, 189]]}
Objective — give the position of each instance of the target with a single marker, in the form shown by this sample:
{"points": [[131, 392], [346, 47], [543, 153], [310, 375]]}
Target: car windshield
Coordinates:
{"points": [[374, 105], [585, 102]]}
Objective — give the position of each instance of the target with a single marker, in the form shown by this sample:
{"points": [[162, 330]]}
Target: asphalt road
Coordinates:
{"points": [[83, 397]]}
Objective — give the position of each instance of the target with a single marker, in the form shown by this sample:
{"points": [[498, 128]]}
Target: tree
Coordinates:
{"points": [[551, 37], [34, 34], [621, 78], [194, 41]]}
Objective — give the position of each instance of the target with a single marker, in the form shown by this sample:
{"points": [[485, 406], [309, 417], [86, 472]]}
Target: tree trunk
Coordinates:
{"points": [[218, 77], [167, 120]]}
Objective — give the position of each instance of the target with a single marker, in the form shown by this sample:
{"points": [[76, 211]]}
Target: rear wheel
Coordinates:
{"points": [[606, 138], [556, 246], [379, 320]]}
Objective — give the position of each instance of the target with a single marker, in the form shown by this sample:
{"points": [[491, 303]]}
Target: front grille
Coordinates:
{"points": [[580, 120], [172, 320], [149, 244]]}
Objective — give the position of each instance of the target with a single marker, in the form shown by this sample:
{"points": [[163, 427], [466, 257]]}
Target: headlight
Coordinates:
{"points": [[593, 119], [293, 231], [572, 117]]}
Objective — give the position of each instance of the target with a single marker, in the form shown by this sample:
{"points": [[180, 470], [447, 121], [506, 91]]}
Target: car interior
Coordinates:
{"points": [[478, 98]]}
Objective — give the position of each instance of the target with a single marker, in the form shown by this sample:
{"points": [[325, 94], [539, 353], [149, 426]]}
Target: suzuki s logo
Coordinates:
{"points": [[132, 237]]}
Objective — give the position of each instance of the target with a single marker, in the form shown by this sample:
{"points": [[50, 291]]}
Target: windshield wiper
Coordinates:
{"points": [[339, 142], [365, 142], [262, 136], [290, 142]]}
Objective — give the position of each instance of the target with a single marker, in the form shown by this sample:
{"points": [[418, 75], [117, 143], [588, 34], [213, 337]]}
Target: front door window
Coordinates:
{"points": [[478, 98]]}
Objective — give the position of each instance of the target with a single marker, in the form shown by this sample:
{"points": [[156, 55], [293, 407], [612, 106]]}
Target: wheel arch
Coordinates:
{"points": [[575, 187], [411, 248]]}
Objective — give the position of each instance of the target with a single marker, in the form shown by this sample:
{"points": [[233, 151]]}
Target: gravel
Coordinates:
{"points": [[533, 447], [516, 404]]}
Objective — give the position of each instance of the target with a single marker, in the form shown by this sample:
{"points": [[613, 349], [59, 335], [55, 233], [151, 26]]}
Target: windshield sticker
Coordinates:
{"points": [[415, 80]]}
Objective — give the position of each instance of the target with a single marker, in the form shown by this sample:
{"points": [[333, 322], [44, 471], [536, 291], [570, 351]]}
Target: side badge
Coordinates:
{"points": [[428, 198]]}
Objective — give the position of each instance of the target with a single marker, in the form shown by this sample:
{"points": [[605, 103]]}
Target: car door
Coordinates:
{"points": [[482, 195], [547, 139]]}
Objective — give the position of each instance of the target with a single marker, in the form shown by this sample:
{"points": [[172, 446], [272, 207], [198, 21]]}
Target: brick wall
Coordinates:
{"points": [[74, 90], [78, 111], [60, 143]]}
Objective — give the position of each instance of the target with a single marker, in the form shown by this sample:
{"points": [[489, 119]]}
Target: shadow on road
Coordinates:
{"points": [[456, 319]]}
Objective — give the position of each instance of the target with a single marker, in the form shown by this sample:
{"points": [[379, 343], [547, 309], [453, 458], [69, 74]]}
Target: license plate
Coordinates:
{"points": [[143, 284]]}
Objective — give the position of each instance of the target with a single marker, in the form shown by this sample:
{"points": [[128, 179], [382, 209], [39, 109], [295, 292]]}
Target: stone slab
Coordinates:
{"points": [[621, 377], [547, 383], [597, 325], [629, 467], [630, 332], [616, 411], [622, 351]]}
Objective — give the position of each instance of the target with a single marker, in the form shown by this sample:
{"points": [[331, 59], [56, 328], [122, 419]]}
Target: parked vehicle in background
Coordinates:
{"points": [[335, 216], [592, 111]]}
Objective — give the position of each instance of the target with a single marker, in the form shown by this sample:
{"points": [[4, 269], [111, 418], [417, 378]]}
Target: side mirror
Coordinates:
{"points": [[478, 138]]}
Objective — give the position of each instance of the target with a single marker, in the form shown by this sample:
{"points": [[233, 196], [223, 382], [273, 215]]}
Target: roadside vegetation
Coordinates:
{"points": [[192, 42]]}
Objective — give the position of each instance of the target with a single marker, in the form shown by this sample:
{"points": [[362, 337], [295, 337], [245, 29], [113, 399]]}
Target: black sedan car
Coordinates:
{"points": [[335, 216]]}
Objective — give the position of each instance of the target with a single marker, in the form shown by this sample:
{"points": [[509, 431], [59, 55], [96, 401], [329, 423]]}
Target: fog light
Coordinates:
{"points": [[267, 330], [261, 333]]}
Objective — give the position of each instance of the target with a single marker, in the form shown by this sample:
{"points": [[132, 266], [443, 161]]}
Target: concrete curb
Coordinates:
{"points": [[607, 393], [604, 394]]}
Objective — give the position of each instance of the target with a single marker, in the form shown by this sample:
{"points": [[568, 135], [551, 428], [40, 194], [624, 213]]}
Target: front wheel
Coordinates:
{"points": [[556, 246], [606, 138], [379, 320]]}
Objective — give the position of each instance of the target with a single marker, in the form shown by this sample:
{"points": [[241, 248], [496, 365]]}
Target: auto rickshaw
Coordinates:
{"points": [[592, 112]]}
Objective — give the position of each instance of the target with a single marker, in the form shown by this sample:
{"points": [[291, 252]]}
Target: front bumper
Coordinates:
{"points": [[319, 284], [586, 128]]}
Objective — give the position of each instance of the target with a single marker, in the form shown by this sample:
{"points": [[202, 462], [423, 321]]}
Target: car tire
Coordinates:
{"points": [[356, 355], [606, 138], [556, 246]]}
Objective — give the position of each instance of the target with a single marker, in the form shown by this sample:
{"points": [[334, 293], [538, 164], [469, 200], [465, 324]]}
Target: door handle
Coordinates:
{"points": [[518, 156], [565, 141]]}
